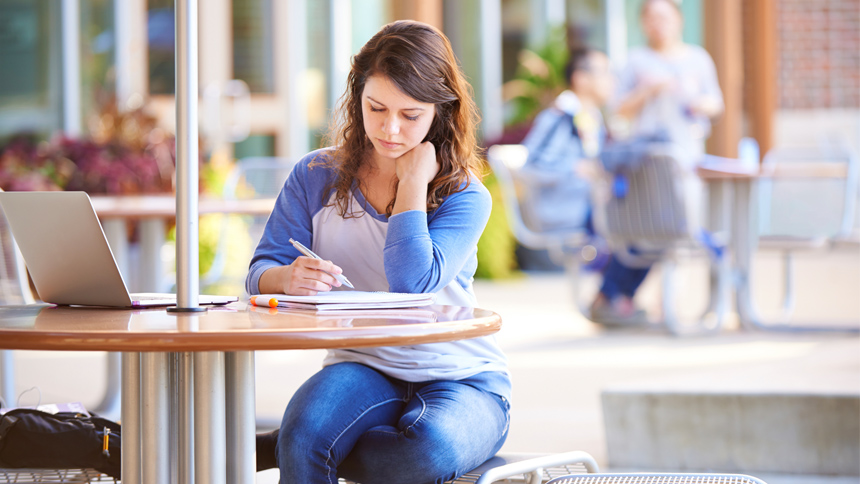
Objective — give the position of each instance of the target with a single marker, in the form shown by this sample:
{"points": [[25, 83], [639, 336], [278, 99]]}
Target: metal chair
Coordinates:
{"points": [[14, 290], [253, 177], [566, 248], [53, 476], [810, 214], [656, 210], [657, 479], [526, 468]]}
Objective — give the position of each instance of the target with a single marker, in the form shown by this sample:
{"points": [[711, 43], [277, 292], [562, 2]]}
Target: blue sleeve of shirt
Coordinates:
{"points": [[292, 217], [425, 252]]}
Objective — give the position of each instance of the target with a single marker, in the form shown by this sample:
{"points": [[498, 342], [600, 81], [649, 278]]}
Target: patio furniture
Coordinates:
{"points": [[566, 248], [807, 203], [14, 290], [511, 468], [644, 478], [251, 178], [53, 476], [649, 213]]}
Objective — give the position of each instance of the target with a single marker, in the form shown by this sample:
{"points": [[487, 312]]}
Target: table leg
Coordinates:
{"points": [[241, 421], [7, 377], [209, 418], [719, 223], [185, 427], [155, 455], [131, 418], [744, 241], [151, 269]]}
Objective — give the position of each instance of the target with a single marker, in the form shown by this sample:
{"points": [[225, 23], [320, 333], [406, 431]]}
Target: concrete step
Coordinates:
{"points": [[733, 432]]}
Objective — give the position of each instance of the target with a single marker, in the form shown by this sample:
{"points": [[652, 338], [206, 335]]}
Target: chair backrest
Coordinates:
{"points": [[257, 177], [664, 478], [811, 206], [653, 204], [506, 161], [14, 284]]}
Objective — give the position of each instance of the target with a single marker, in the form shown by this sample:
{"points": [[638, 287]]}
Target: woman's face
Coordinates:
{"points": [[394, 122], [661, 23]]}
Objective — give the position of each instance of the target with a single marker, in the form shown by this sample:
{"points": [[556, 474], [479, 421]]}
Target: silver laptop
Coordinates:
{"points": [[67, 254]]}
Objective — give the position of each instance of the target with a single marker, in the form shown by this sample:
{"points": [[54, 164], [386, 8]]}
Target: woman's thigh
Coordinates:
{"points": [[446, 429], [328, 414]]}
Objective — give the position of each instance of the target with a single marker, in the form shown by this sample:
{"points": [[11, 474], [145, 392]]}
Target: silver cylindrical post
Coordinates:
{"points": [[131, 418], [7, 378], [187, 276], [155, 454], [209, 418], [186, 418], [241, 418]]}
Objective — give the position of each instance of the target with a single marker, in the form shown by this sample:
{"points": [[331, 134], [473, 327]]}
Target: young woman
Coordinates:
{"points": [[396, 202]]}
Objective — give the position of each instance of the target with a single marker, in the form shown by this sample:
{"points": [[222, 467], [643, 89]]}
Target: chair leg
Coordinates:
{"points": [[788, 301], [7, 378], [713, 317]]}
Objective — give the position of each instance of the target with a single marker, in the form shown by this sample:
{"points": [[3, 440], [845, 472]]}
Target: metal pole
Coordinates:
{"points": [[241, 441], [187, 275], [209, 418], [71, 32], [155, 455], [7, 378], [131, 418], [185, 412]]}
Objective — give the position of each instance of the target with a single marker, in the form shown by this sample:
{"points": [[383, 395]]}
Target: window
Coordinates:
{"points": [[253, 43]]}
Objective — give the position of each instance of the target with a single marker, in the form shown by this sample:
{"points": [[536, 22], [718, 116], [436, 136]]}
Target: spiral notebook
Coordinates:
{"points": [[340, 300]]}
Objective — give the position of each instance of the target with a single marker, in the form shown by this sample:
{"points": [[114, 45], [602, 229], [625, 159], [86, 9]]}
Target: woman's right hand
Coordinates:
{"points": [[306, 276]]}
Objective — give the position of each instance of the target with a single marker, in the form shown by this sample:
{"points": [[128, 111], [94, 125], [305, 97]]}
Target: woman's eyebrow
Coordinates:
{"points": [[405, 109]]}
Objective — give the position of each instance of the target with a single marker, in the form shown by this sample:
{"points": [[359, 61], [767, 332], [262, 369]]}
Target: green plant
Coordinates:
{"points": [[496, 246], [539, 78]]}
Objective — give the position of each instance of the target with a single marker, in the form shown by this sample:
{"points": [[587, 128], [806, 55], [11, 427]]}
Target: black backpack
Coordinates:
{"points": [[38, 440]]}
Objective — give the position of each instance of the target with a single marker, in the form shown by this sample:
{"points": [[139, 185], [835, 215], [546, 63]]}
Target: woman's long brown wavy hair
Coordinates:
{"points": [[419, 60]]}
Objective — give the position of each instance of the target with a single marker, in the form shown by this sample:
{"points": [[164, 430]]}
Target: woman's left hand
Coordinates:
{"points": [[415, 170], [418, 165]]}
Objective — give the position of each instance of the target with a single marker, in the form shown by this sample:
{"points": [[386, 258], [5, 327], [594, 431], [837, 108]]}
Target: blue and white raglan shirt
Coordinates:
{"points": [[412, 252]]}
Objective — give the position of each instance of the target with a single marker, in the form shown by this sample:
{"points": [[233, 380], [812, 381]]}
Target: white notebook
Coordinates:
{"points": [[340, 300]]}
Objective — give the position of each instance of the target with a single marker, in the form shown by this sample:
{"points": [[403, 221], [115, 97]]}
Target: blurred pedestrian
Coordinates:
{"points": [[669, 87]]}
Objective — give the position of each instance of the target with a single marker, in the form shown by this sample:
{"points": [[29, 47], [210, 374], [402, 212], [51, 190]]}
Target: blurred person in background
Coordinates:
{"points": [[669, 91], [668, 87], [561, 140]]}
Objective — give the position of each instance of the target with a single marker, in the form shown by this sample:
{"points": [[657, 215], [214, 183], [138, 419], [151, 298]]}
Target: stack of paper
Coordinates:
{"points": [[340, 300]]}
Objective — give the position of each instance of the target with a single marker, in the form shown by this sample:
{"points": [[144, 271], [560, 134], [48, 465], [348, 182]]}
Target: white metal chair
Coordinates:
{"points": [[658, 212], [810, 214], [566, 248], [14, 290], [53, 476], [253, 177], [662, 478], [527, 468]]}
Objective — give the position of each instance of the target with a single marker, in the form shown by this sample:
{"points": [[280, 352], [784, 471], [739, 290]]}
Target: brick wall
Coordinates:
{"points": [[818, 53]]}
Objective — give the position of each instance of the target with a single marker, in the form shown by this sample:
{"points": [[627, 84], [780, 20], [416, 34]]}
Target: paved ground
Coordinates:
{"points": [[561, 362]]}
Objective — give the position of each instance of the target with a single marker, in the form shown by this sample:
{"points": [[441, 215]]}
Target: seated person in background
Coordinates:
{"points": [[560, 141]]}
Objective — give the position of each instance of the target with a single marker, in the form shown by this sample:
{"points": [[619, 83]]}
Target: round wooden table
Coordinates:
{"points": [[185, 375]]}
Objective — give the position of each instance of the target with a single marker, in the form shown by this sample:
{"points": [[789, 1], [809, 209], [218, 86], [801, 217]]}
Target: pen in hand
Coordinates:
{"points": [[307, 252]]}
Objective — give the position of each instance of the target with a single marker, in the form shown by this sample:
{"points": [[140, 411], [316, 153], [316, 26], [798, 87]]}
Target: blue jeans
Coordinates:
{"points": [[351, 421], [620, 280]]}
